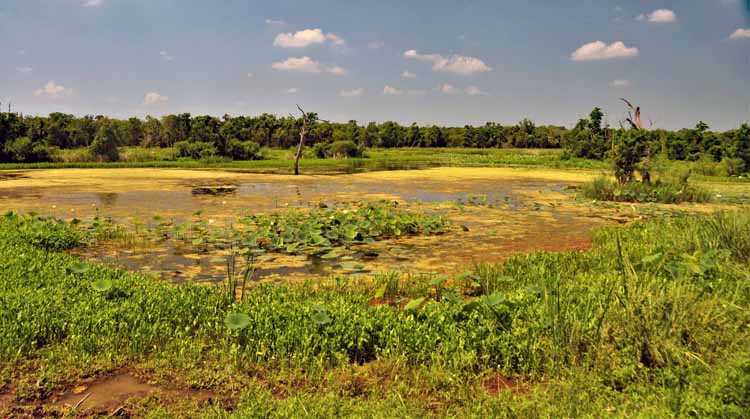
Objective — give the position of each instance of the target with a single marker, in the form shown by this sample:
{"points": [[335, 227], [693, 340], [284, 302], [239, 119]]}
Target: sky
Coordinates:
{"points": [[445, 62]]}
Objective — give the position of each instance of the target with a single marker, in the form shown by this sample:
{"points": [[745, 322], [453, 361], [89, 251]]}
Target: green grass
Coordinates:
{"points": [[281, 161], [653, 322], [664, 192]]}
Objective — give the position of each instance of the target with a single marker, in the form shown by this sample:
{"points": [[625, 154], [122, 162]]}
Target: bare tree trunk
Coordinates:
{"points": [[634, 115], [302, 134]]}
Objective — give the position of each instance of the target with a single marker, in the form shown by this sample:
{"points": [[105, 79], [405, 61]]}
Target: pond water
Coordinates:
{"points": [[501, 212]]}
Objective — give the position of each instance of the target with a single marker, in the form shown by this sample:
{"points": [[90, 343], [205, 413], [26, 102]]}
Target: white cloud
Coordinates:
{"points": [[24, 70], [53, 90], [620, 83], [275, 22], [337, 71], [352, 93], [250, 75], [305, 38], [335, 39], [458, 64], [302, 64], [448, 89], [408, 75], [154, 98], [307, 65], [388, 90], [740, 34], [599, 50], [659, 16], [165, 56], [376, 44], [474, 91], [93, 3], [291, 90]]}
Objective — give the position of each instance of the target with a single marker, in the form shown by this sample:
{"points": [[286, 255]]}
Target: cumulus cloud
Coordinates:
{"points": [[336, 71], [474, 91], [302, 64], [291, 90], [154, 98], [740, 34], [53, 90], [457, 64], [599, 50], [448, 89], [352, 93], [307, 65], [93, 3], [659, 16], [388, 90], [376, 44], [275, 22], [250, 75], [24, 70], [305, 38], [408, 75], [620, 83], [335, 39]]}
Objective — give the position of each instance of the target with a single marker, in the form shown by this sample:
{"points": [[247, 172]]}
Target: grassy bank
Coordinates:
{"points": [[643, 325], [281, 161]]}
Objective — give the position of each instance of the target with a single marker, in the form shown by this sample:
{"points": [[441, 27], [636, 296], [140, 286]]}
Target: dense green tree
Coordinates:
{"points": [[104, 146]]}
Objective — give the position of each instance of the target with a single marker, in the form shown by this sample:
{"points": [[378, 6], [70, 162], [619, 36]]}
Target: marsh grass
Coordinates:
{"points": [[650, 322], [660, 191]]}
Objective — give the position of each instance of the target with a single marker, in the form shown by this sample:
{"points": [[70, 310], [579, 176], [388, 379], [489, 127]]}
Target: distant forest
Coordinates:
{"points": [[36, 139]]}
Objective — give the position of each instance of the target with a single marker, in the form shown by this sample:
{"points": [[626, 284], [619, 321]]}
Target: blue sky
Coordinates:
{"points": [[450, 62]]}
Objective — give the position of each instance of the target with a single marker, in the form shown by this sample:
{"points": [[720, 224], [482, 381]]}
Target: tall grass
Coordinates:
{"points": [[662, 306], [661, 191]]}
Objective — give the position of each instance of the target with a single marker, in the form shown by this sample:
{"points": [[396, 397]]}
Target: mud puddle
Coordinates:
{"points": [[112, 393]]}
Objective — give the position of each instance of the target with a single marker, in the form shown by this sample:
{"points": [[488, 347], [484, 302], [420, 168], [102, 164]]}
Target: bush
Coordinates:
{"points": [[627, 154], [731, 166], [664, 192], [244, 150], [337, 149], [195, 150], [22, 149]]}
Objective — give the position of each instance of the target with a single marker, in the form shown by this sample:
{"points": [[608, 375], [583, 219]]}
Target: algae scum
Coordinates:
{"points": [[212, 225]]}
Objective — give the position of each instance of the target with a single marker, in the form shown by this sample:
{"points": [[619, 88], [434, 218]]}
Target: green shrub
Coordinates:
{"points": [[337, 149], [22, 149], [342, 149], [665, 192], [195, 149], [731, 166], [244, 150]]}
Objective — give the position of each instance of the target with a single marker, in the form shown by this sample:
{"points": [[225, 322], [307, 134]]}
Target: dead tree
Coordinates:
{"points": [[309, 119], [302, 134], [634, 115], [635, 122]]}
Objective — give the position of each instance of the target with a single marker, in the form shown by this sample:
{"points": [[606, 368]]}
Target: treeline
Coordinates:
{"points": [[33, 138], [592, 140]]}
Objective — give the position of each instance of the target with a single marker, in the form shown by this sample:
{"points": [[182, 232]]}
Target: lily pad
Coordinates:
{"points": [[237, 321]]}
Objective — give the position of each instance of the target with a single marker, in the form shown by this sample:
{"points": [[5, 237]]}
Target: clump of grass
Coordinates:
{"points": [[660, 191]]}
